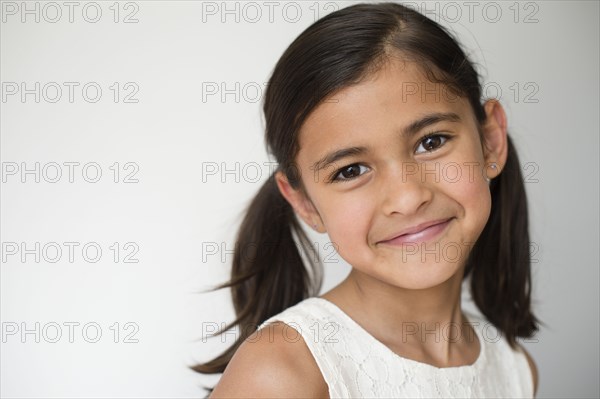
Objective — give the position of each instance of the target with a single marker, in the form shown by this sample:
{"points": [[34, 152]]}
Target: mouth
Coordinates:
{"points": [[426, 234]]}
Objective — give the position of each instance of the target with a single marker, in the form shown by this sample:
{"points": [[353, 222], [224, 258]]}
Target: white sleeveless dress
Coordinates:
{"points": [[355, 364]]}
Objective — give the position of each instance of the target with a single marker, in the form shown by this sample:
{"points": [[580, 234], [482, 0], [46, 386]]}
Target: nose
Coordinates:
{"points": [[404, 191]]}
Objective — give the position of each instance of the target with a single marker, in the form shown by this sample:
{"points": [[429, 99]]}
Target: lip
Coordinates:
{"points": [[420, 233]]}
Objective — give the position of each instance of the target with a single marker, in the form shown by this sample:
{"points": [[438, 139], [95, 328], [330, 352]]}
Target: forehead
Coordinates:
{"points": [[391, 98]]}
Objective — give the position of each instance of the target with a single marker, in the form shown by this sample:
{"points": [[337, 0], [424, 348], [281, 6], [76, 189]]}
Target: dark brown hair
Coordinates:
{"points": [[335, 52]]}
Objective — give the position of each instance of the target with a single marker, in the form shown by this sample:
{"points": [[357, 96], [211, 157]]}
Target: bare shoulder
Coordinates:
{"points": [[273, 362], [533, 368]]}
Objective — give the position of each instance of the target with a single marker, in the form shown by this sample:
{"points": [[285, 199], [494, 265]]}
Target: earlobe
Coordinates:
{"points": [[495, 141], [302, 205]]}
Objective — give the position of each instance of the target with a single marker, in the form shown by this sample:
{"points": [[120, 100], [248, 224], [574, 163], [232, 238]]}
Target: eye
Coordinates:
{"points": [[433, 141], [348, 172]]}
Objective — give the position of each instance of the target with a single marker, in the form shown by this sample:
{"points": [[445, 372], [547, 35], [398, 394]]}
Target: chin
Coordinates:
{"points": [[426, 275], [412, 273]]}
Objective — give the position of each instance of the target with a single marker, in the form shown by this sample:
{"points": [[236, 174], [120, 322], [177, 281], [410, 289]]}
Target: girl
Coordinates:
{"points": [[375, 117]]}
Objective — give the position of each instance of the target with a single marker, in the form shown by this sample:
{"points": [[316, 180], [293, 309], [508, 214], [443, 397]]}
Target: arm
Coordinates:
{"points": [[269, 365]]}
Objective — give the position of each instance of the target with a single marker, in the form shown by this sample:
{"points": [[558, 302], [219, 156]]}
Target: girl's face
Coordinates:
{"points": [[399, 179]]}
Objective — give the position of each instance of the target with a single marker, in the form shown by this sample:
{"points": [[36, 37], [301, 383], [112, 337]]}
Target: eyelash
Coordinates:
{"points": [[333, 178]]}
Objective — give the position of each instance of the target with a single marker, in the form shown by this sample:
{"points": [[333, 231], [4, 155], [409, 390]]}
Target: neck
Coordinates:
{"points": [[424, 323]]}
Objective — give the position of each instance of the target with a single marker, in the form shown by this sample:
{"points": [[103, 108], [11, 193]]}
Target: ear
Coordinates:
{"points": [[495, 142], [302, 205]]}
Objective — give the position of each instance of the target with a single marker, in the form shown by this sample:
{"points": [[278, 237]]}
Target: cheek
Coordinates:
{"points": [[347, 222], [465, 182], [472, 194]]}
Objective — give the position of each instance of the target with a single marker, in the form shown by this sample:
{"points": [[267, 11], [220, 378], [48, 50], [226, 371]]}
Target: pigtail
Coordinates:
{"points": [[500, 262], [268, 273]]}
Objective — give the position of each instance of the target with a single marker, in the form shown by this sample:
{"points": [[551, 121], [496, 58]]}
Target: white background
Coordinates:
{"points": [[171, 57]]}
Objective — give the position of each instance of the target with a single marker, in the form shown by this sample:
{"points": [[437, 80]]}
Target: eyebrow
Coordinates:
{"points": [[406, 133]]}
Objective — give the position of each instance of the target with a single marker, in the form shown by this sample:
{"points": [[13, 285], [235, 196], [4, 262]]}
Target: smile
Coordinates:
{"points": [[424, 235]]}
